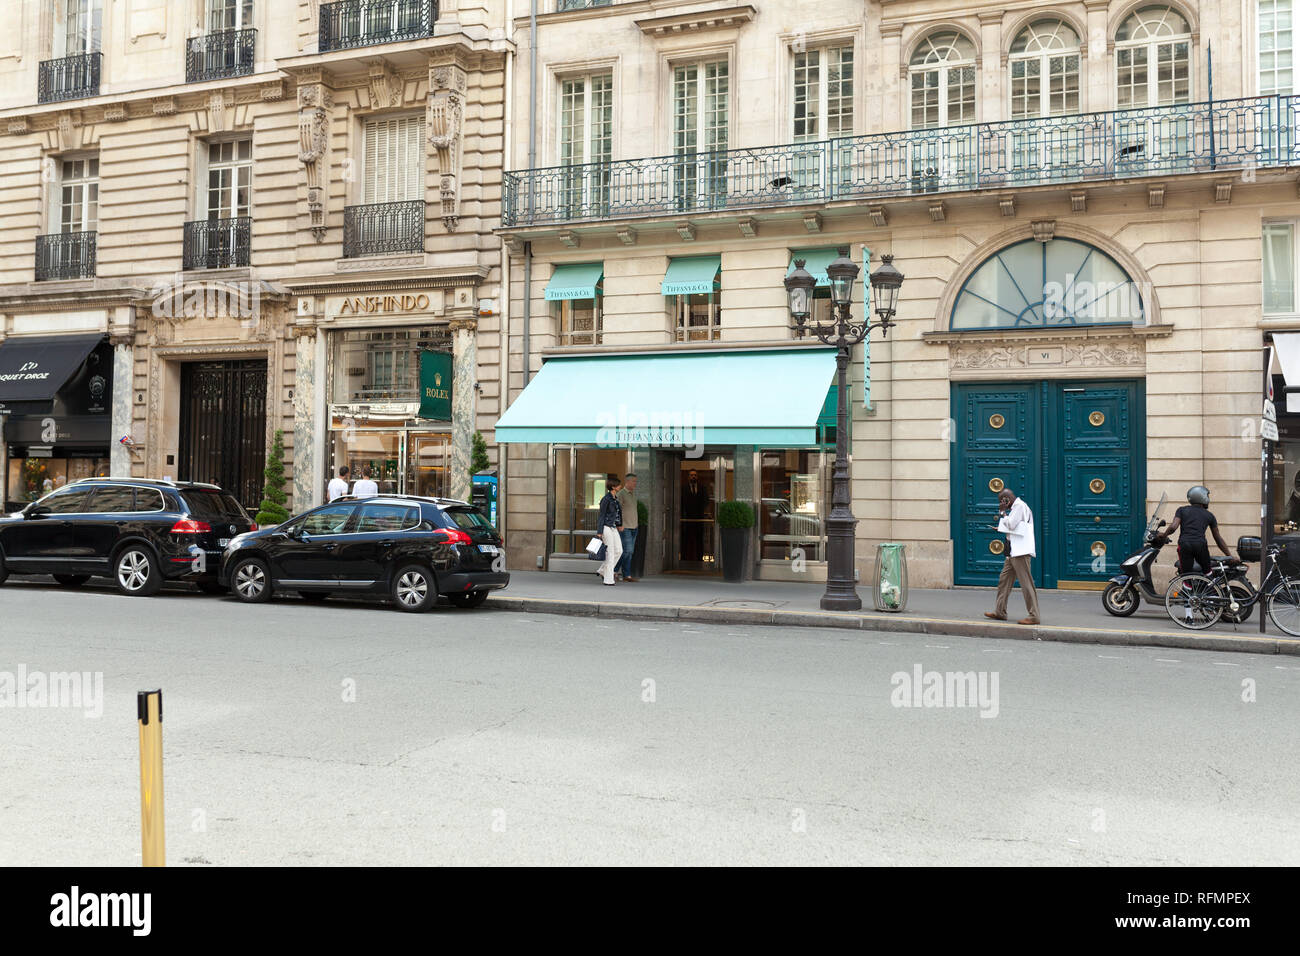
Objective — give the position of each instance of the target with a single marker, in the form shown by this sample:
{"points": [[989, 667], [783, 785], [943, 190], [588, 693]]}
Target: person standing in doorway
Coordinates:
{"points": [[338, 486], [627, 502], [1016, 521], [365, 486], [609, 524], [695, 505]]}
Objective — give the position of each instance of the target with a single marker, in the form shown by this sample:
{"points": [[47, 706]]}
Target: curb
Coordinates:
{"points": [[891, 624]]}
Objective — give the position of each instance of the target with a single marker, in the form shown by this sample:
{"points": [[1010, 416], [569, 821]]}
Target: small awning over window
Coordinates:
{"points": [[817, 261], [691, 275], [771, 398], [575, 280], [33, 370]]}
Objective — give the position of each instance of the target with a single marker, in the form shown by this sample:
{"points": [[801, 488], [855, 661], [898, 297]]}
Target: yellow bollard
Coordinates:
{"points": [[148, 704]]}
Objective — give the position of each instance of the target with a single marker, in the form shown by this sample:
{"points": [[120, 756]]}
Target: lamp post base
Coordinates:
{"points": [[839, 601]]}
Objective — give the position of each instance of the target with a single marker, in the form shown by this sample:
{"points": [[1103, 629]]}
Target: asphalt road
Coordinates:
{"points": [[348, 733]]}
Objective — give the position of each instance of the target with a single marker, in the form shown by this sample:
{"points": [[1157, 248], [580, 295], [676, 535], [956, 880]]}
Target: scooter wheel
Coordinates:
{"points": [[1120, 599]]}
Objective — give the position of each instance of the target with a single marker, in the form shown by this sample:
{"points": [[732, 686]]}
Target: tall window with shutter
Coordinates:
{"points": [[390, 218]]}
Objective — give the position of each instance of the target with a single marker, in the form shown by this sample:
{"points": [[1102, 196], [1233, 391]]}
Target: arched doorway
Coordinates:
{"points": [[1073, 446]]}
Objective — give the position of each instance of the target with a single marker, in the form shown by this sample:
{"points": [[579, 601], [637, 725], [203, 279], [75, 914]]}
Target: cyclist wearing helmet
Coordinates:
{"points": [[1191, 521]]}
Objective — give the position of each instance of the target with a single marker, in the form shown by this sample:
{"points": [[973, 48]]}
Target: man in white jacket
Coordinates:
{"points": [[1016, 521]]}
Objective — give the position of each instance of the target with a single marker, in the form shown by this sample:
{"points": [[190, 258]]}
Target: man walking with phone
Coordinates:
{"points": [[1016, 521]]}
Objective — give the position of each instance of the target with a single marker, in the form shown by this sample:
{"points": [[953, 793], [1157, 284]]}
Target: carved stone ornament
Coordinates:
{"points": [[385, 85], [314, 102], [1019, 356], [446, 121]]}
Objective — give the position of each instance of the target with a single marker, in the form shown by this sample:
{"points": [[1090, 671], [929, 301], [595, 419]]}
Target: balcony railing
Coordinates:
{"points": [[69, 78], [383, 229], [1225, 135], [65, 255], [354, 23], [217, 243], [219, 56]]}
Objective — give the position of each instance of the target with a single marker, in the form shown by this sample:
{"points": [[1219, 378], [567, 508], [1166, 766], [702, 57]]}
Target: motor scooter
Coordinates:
{"points": [[1133, 585]]}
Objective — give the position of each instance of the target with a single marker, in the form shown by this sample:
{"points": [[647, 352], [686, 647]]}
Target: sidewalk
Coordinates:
{"points": [[1071, 616]]}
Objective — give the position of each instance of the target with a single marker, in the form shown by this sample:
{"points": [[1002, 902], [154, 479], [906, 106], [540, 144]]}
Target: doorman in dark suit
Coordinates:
{"points": [[695, 506]]}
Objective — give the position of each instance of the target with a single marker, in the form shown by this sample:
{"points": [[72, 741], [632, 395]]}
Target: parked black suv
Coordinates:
{"points": [[138, 532], [407, 547]]}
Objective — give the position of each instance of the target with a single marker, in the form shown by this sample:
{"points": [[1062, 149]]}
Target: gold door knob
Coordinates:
{"points": [[996, 485]]}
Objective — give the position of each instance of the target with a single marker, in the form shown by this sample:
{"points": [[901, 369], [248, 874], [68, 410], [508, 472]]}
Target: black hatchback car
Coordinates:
{"points": [[138, 532], [407, 547]]}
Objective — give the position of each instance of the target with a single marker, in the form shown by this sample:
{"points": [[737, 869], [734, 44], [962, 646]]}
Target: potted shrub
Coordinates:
{"points": [[642, 538], [736, 519]]}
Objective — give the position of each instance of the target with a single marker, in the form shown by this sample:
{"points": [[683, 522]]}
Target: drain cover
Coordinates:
{"points": [[750, 605]]}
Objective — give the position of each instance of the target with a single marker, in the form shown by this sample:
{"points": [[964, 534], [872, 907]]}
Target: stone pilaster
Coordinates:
{"points": [[122, 338], [744, 480], [464, 376], [306, 482]]}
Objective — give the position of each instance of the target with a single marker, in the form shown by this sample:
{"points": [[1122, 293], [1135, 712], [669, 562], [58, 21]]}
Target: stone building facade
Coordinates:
{"points": [[1094, 250], [270, 210]]}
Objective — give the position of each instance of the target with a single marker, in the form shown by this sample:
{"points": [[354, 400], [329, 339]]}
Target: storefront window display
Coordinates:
{"points": [[580, 474], [33, 478], [795, 496], [382, 365], [403, 458]]}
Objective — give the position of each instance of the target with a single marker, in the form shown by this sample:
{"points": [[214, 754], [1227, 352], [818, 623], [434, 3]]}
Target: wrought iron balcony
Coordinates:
{"points": [[383, 229], [1086, 147], [219, 56], [353, 23], [65, 255], [69, 78], [217, 243]]}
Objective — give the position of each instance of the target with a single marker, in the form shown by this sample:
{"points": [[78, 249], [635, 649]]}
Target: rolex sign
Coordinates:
{"points": [[435, 386]]}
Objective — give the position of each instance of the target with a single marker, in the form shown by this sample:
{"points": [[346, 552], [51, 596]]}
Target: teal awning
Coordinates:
{"points": [[817, 261], [771, 398], [575, 280], [691, 275]]}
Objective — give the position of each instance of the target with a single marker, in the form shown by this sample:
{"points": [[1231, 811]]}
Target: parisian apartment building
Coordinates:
{"points": [[381, 227], [1094, 205], [224, 219]]}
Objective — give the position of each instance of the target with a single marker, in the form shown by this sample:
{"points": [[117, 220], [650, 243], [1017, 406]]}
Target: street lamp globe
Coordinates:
{"points": [[885, 283], [842, 273], [799, 286]]}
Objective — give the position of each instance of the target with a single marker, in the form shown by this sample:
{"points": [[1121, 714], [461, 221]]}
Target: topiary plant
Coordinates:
{"points": [[735, 514], [642, 514], [272, 510], [478, 455]]}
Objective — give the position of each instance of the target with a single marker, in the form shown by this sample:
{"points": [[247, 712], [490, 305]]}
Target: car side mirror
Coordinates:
{"points": [[38, 511]]}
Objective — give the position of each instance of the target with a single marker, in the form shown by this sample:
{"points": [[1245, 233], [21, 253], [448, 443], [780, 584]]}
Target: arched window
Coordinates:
{"points": [[1057, 284], [943, 81], [1044, 63], [1153, 64]]}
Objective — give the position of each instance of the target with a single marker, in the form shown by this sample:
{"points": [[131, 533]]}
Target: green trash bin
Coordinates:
{"points": [[889, 584]]}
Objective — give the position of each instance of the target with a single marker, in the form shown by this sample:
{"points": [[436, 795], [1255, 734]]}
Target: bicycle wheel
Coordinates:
{"points": [[1242, 594], [1194, 601], [1284, 607]]}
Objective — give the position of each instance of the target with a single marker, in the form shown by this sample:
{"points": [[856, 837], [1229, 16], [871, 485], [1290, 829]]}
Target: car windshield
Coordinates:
{"points": [[467, 518], [213, 505]]}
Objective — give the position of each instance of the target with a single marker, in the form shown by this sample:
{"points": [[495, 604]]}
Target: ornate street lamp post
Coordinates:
{"points": [[843, 333]]}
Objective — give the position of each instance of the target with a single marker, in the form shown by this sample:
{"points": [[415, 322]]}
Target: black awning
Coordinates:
{"points": [[33, 370]]}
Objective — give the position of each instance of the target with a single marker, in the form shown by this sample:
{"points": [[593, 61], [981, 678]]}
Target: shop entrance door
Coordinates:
{"points": [[223, 426], [428, 458], [701, 483]]}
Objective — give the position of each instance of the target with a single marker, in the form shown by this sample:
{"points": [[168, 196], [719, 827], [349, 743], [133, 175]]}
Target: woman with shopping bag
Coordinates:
{"points": [[609, 524]]}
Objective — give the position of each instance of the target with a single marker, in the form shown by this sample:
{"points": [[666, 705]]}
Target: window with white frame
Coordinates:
{"points": [[78, 195], [581, 320], [393, 160], [1279, 268], [701, 95], [78, 27], [1275, 47], [226, 15], [697, 317], [942, 73], [586, 141], [823, 93], [230, 174], [1044, 66], [1153, 65]]}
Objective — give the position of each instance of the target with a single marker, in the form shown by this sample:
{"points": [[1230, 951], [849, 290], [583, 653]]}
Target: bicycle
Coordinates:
{"points": [[1197, 601]]}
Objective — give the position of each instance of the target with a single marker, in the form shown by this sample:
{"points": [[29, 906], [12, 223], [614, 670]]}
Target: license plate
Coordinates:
{"points": [[223, 541], [488, 548]]}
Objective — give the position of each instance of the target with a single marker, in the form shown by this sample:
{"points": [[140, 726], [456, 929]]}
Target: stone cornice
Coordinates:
{"points": [[75, 293], [681, 347], [353, 284], [1047, 336], [696, 21]]}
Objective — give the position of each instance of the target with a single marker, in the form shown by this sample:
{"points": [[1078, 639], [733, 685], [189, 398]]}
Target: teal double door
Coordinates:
{"points": [[1074, 451]]}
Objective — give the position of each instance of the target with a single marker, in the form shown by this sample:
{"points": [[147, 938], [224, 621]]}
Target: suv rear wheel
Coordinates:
{"points": [[413, 589], [136, 571], [250, 581]]}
